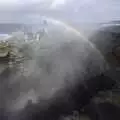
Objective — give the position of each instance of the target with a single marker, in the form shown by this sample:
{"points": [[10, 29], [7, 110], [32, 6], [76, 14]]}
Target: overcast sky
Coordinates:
{"points": [[74, 10]]}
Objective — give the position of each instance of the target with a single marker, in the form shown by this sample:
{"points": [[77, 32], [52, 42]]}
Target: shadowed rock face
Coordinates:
{"points": [[109, 111], [61, 78], [106, 40], [103, 111]]}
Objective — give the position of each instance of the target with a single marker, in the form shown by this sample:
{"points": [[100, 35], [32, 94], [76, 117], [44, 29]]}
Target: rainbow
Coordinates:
{"points": [[70, 28]]}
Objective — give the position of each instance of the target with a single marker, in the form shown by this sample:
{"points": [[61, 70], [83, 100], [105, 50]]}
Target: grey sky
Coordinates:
{"points": [[74, 10]]}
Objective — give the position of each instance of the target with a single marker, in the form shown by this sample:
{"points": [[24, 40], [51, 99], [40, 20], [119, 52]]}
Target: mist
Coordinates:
{"points": [[51, 64], [62, 54]]}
